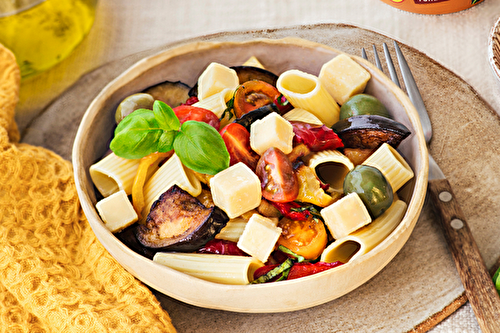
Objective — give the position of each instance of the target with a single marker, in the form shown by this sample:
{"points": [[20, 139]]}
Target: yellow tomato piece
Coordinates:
{"points": [[141, 176], [310, 190], [305, 238]]}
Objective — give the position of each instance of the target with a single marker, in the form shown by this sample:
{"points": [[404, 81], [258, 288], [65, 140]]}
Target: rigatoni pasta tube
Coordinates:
{"points": [[365, 239], [306, 91], [392, 165], [114, 173], [169, 174], [224, 269]]}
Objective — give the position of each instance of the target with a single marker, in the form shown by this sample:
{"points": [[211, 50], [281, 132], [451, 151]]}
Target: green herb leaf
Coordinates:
{"points": [[136, 135], [165, 116], [201, 148], [282, 268], [290, 252]]}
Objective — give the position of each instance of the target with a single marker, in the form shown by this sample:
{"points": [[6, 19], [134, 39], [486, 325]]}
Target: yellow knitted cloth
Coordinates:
{"points": [[55, 276]]}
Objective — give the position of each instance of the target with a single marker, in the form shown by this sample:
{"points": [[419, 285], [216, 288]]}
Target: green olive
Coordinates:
{"points": [[362, 104], [132, 103], [371, 186]]}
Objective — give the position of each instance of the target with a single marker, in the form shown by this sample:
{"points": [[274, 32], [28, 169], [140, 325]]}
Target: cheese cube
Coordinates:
{"points": [[343, 78], [346, 215], [259, 237], [117, 211], [215, 78], [271, 131], [236, 190]]}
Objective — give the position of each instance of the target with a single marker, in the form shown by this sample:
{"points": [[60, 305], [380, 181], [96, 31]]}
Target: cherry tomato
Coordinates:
{"points": [[278, 180], [189, 112], [237, 140], [306, 238], [252, 95]]}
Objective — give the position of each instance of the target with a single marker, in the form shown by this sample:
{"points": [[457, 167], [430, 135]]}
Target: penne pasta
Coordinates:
{"points": [[392, 165], [305, 91], [363, 240], [216, 268], [217, 102], [298, 114], [113, 173], [169, 174], [233, 229], [254, 62]]}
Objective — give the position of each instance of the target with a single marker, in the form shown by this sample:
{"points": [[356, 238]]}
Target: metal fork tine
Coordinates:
{"points": [[377, 59], [363, 54], [414, 93], [390, 65]]}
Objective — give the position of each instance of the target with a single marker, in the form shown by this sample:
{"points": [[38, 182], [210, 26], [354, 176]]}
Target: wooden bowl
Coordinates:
{"points": [[186, 63]]}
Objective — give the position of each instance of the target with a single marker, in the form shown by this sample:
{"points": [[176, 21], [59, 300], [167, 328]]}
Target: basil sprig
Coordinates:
{"points": [[198, 145]]}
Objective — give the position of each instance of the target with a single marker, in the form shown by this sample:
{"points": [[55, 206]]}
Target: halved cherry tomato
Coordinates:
{"points": [[252, 95], [237, 140], [306, 238], [189, 112], [278, 180]]}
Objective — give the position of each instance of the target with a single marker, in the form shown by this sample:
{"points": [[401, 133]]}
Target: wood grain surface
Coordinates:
{"points": [[420, 286]]}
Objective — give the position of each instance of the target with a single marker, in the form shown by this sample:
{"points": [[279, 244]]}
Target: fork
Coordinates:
{"points": [[479, 287]]}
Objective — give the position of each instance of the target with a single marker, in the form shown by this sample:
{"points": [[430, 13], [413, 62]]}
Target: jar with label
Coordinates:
{"points": [[432, 6], [41, 33]]}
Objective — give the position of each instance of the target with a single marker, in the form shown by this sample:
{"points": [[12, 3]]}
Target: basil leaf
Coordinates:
{"points": [[136, 135], [166, 141], [201, 148], [165, 116]]}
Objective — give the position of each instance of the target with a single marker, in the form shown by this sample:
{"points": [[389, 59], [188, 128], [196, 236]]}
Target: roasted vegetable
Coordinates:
{"points": [[316, 138], [372, 187], [179, 222], [252, 95], [172, 93], [306, 238], [248, 118], [370, 131], [248, 73]]}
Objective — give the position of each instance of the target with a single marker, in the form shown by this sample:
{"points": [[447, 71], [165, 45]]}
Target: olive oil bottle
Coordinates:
{"points": [[41, 33]]}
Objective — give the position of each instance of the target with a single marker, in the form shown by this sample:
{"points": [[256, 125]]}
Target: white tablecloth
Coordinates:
{"points": [[457, 41]]}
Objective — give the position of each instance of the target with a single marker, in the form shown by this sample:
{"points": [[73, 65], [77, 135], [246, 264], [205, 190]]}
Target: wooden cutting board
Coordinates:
{"points": [[421, 286]]}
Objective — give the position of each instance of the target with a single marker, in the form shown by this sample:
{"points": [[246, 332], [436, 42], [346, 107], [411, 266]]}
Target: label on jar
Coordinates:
{"points": [[423, 2]]}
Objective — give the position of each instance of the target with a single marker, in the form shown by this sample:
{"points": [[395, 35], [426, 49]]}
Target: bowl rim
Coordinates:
{"points": [[227, 292], [494, 57]]}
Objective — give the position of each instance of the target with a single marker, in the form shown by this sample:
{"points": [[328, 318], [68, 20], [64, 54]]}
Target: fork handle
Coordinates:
{"points": [[479, 287]]}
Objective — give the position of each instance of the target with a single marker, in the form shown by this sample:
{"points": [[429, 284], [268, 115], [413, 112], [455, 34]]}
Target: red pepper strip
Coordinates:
{"points": [[285, 209], [282, 104], [304, 268], [315, 137], [191, 100], [221, 246]]}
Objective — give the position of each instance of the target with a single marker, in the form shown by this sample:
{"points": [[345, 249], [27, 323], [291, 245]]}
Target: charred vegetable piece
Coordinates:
{"points": [[221, 246], [179, 222], [252, 95], [370, 131], [278, 180], [305, 268], [316, 138], [237, 141], [358, 155], [248, 73], [249, 118], [172, 93]]}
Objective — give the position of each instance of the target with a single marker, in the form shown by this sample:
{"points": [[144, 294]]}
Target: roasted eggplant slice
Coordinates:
{"points": [[172, 93], [370, 131], [248, 118], [179, 222], [246, 73]]}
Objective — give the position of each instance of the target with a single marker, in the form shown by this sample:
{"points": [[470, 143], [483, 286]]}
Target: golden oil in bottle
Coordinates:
{"points": [[41, 33]]}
